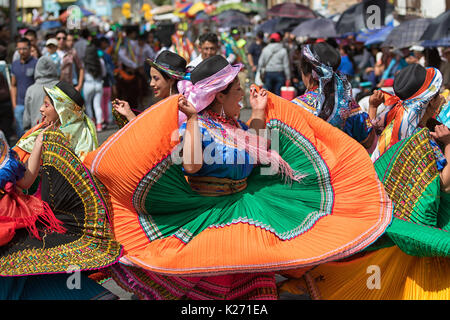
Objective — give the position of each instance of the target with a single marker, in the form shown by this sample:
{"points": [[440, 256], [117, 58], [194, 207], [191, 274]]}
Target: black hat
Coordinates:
{"points": [[409, 80], [170, 63], [327, 54], [71, 92], [208, 67]]}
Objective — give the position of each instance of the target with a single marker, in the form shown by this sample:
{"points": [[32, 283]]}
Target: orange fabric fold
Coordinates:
{"points": [[127, 156]]}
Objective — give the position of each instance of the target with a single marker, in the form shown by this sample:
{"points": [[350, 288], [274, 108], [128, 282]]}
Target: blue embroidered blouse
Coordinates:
{"points": [[11, 168], [221, 156], [353, 120]]}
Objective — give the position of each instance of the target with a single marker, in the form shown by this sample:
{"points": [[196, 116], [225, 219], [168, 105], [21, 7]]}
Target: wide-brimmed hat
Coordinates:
{"points": [[414, 87], [67, 101], [413, 80], [170, 63], [210, 77]]}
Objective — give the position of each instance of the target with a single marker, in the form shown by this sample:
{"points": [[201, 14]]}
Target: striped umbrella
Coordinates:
{"points": [[407, 34]]}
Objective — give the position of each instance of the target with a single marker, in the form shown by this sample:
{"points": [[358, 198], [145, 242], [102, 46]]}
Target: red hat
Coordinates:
{"points": [[275, 36]]}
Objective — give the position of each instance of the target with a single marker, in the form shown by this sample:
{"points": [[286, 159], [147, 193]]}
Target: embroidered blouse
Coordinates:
{"points": [[11, 168], [222, 158], [353, 120]]}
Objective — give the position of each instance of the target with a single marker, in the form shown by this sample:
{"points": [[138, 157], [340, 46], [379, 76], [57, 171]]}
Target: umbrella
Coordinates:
{"points": [[316, 28], [375, 36], [201, 17], [291, 10], [268, 26], [234, 21], [186, 7], [196, 8], [439, 28], [406, 34], [232, 18], [52, 24], [444, 42], [353, 19], [288, 24], [229, 13]]}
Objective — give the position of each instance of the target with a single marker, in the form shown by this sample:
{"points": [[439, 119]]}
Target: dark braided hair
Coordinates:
{"points": [[328, 91]]}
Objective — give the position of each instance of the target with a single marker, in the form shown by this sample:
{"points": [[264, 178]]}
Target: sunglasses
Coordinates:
{"points": [[61, 38]]}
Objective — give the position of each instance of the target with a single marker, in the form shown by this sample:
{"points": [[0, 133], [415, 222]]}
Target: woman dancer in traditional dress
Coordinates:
{"points": [[167, 69], [61, 229], [63, 106], [219, 219], [329, 94], [411, 261]]}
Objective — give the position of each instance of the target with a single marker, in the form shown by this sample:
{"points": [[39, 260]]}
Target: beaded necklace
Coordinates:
{"points": [[214, 116]]}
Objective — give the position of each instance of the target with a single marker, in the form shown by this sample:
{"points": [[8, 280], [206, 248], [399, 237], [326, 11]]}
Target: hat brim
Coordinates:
{"points": [[431, 86], [178, 75]]}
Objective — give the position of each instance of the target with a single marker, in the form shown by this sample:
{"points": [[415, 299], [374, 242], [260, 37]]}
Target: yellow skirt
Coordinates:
{"points": [[386, 274]]}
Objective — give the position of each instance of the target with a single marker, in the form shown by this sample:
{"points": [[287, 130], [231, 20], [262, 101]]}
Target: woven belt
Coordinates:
{"points": [[214, 187]]}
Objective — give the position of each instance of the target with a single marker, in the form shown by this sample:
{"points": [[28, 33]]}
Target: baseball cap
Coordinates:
{"points": [[52, 41]]}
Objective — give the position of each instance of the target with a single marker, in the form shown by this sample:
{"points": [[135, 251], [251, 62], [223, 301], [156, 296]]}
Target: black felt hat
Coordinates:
{"points": [[170, 63], [409, 80], [71, 92], [327, 54], [208, 67]]}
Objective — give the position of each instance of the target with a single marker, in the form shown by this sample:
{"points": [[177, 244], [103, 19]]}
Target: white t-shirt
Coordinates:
{"points": [[194, 63]]}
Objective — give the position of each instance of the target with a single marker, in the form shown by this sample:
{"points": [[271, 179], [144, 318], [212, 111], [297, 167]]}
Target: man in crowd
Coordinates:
{"points": [[4, 35], [274, 58], [69, 60], [31, 35], [22, 76], [208, 47], [254, 52], [82, 43], [45, 75]]}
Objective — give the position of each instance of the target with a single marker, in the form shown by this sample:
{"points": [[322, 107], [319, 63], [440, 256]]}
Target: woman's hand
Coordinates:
{"points": [[186, 107], [442, 134], [376, 99], [437, 102], [122, 107], [40, 136], [258, 100]]}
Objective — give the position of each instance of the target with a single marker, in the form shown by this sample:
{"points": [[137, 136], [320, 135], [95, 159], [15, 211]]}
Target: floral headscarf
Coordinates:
{"points": [[74, 123], [324, 73]]}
